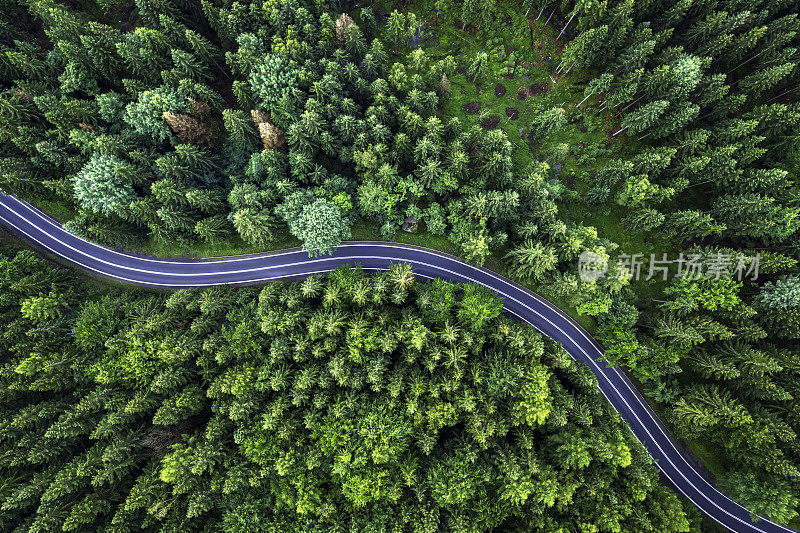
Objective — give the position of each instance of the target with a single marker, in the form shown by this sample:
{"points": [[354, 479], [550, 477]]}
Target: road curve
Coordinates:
{"points": [[34, 226]]}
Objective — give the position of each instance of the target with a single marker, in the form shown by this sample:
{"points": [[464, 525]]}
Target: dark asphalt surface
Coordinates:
{"points": [[32, 225]]}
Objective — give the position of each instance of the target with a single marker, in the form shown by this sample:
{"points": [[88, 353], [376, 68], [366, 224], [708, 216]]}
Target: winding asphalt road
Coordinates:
{"points": [[31, 224]]}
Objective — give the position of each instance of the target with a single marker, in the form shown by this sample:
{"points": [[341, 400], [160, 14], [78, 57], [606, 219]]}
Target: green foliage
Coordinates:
{"points": [[95, 324], [254, 226], [763, 495], [548, 121], [100, 187], [783, 293], [478, 306], [112, 107], [320, 224], [273, 78], [321, 227], [300, 406], [145, 115], [690, 125]]}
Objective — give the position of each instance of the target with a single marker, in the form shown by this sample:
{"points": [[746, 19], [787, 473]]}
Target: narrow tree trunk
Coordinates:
{"points": [[627, 106], [696, 184], [582, 101], [620, 131], [567, 24], [541, 11], [220, 68], [618, 113], [749, 60], [642, 137], [784, 92], [551, 16]]}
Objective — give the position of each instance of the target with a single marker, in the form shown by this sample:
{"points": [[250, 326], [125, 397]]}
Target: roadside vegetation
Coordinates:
{"points": [[517, 135], [359, 402]]}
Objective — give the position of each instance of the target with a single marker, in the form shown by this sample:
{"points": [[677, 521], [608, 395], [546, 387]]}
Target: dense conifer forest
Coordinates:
{"points": [[352, 403], [517, 134]]}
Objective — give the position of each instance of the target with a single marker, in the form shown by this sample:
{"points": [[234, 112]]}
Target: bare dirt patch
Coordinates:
{"points": [[512, 113], [472, 107], [499, 90], [523, 93], [533, 144], [490, 122], [538, 88]]}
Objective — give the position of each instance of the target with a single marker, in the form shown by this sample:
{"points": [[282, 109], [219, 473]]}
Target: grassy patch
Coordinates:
{"points": [[58, 209], [367, 232], [233, 246]]}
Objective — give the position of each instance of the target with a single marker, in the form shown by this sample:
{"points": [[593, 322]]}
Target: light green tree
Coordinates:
{"points": [[320, 225], [100, 188], [478, 306], [272, 79], [478, 66]]}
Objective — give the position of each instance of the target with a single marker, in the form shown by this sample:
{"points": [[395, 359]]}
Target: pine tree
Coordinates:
{"points": [[644, 116], [187, 128], [272, 78], [584, 50], [763, 80], [644, 219], [531, 260], [396, 24], [255, 227], [342, 23], [242, 135], [100, 188], [781, 294], [470, 10], [547, 121], [478, 66]]}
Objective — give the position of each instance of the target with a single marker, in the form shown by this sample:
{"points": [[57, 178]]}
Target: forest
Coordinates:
{"points": [[516, 134], [351, 403]]}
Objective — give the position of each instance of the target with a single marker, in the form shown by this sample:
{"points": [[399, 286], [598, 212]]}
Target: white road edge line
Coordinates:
{"points": [[499, 279]]}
